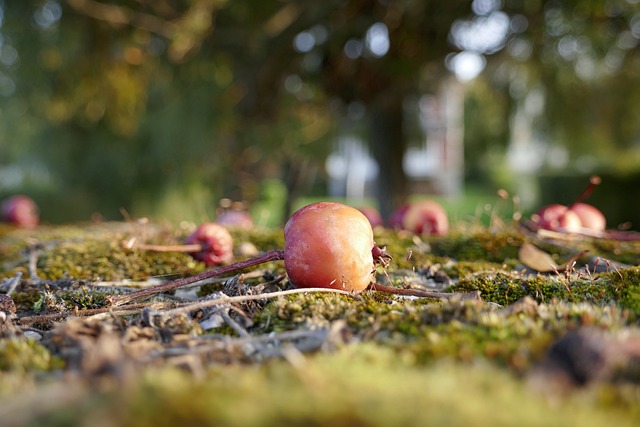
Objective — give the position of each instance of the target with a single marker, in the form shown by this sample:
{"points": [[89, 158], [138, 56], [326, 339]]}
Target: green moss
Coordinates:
{"points": [[25, 355], [264, 239], [365, 385], [484, 246], [621, 286]]}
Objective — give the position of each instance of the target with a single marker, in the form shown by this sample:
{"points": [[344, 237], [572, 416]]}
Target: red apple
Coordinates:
{"points": [[372, 215], [426, 217], [557, 217], [20, 210], [216, 242], [590, 216], [329, 245]]}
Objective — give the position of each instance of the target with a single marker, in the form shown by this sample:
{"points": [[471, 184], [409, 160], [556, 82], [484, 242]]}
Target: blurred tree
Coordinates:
{"points": [[138, 102]]}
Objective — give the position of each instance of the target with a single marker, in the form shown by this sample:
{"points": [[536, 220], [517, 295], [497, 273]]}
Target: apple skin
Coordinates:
{"points": [[557, 217], [20, 210], [427, 218], [590, 216], [216, 241], [329, 245], [373, 215]]}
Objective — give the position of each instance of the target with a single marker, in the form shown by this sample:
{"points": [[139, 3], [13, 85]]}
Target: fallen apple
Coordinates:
{"points": [[426, 217], [20, 210], [329, 245]]}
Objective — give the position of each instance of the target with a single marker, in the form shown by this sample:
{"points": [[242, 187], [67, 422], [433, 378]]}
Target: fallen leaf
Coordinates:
{"points": [[537, 259]]}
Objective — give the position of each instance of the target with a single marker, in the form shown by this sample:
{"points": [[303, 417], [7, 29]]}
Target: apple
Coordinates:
{"points": [[329, 245], [557, 217], [20, 210], [426, 217], [216, 244], [590, 216]]}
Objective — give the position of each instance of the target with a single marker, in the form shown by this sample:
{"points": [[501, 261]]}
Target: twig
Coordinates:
{"points": [[117, 300], [132, 309], [34, 254], [241, 298], [13, 283], [133, 244], [424, 294]]}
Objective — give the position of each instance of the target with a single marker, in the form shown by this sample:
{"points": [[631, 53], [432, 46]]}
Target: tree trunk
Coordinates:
{"points": [[388, 146]]}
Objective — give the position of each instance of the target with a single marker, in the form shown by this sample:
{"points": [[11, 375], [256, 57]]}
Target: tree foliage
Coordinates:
{"points": [[145, 104]]}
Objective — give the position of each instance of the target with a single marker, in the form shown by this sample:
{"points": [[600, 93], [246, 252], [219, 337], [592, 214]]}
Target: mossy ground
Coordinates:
{"points": [[308, 359]]}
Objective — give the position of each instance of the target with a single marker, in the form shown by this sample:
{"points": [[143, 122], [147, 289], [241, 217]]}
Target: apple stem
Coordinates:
{"points": [[594, 181], [132, 244], [117, 300], [381, 256]]}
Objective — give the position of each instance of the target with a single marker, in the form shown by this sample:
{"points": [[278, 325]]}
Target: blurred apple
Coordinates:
{"points": [[216, 243], [590, 216], [576, 217], [426, 217], [20, 210], [557, 217]]}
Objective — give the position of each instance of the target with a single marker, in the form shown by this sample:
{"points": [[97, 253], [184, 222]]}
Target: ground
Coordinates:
{"points": [[486, 340]]}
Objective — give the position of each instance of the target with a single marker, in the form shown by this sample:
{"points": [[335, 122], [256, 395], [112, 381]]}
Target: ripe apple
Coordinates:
{"points": [[426, 217], [571, 219], [216, 242], [20, 210], [576, 217], [329, 245], [590, 216]]}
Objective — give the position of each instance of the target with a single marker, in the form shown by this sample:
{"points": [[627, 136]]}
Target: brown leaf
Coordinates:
{"points": [[537, 259]]}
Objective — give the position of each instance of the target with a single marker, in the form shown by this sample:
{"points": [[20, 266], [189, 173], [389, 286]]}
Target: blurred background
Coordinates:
{"points": [[161, 108]]}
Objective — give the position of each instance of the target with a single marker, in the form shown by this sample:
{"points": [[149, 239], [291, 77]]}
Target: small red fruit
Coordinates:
{"points": [[557, 217], [426, 217], [590, 216], [216, 242], [20, 210], [575, 218], [329, 245]]}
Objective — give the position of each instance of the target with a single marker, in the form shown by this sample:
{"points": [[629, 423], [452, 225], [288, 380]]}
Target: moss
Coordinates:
{"points": [[621, 286], [264, 239], [392, 354], [25, 355], [484, 246], [26, 299], [82, 298], [367, 385]]}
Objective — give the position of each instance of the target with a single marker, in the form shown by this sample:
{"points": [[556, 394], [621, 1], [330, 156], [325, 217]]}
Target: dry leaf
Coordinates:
{"points": [[536, 259]]}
